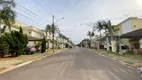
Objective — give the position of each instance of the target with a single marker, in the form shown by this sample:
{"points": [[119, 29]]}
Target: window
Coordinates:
{"points": [[134, 26], [29, 32]]}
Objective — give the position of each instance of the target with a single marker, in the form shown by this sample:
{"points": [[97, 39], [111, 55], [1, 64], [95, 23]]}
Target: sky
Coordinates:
{"points": [[79, 15]]}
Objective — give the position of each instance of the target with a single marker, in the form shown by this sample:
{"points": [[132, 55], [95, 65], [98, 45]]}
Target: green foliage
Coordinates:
{"points": [[83, 43], [37, 45], [17, 41], [21, 30], [7, 14], [90, 34], [4, 48], [128, 62], [10, 3], [136, 44], [43, 45], [53, 30]]}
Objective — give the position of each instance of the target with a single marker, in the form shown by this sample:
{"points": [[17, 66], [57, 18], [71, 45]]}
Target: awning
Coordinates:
{"points": [[133, 34], [101, 39], [31, 38]]}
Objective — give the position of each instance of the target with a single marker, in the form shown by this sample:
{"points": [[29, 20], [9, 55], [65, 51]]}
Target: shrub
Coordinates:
{"points": [[43, 45], [37, 46], [17, 41], [4, 49], [136, 44]]}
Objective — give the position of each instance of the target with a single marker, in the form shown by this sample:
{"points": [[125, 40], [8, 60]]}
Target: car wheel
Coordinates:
{"points": [[2, 56], [141, 75], [32, 52]]}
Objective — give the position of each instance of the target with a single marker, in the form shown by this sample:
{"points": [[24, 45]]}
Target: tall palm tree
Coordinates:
{"points": [[99, 26], [7, 15], [9, 3], [109, 29], [90, 34], [54, 30], [47, 30]]}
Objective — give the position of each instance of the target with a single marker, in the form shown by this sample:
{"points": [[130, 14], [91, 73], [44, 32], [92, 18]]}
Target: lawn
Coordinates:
{"points": [[134, 56]]}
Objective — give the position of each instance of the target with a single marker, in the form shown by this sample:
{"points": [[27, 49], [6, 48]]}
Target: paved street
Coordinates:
{"points": [[73, 64]]}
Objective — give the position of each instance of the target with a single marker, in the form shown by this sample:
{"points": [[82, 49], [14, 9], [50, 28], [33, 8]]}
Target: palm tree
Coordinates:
{"points": [[109, 29], [7, 15], [90, 34], [47, 30], [99, 26], [10, 3], [54, 30]]}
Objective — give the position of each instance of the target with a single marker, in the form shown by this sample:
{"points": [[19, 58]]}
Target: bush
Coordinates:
{"points": [[4, 49], [37, 46], [16, 40], [43, 45], [136, 44]]}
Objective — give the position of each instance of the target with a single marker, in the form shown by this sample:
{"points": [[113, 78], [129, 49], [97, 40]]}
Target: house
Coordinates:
{"points": [[130, 33], [14, 27], [100, 42], [34, 35]]}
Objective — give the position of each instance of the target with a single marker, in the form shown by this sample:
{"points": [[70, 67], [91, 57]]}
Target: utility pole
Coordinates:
{"points": [[53, 45]]}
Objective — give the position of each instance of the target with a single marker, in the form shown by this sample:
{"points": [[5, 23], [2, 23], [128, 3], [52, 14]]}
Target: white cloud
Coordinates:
{"points": [[86, 12]]}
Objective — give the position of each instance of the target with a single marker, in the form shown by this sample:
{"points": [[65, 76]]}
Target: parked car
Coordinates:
{"points": [[30, 50], [141, 73]]}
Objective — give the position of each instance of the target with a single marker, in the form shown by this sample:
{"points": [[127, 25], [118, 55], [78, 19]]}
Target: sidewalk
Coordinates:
{"points": [[11, 62], [130, 60]]}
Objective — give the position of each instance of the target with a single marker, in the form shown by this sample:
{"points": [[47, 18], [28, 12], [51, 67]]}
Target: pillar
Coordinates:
{"points": [[113, 46]]}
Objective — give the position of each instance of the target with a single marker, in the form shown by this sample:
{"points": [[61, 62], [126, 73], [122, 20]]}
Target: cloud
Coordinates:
{"points": [[79, 19]]}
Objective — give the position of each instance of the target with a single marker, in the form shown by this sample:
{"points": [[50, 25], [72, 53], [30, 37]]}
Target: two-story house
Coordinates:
{"points": [[14, 27], [130, 32], [34, 34]]}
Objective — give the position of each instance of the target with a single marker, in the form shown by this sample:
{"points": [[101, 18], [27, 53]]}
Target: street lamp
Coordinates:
{"points": [[59, 20]]}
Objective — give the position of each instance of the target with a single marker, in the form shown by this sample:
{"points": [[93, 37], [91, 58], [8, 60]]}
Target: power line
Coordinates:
{"points": [[30, 18], [67, 12], [42, 7], [74, 5], [31, 12], [90, 1]]}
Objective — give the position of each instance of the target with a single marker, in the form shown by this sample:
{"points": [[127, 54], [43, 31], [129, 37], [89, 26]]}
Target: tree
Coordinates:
{"points": [[4, 48], [43, 45], [90, 34], [16, 40], [109, 29], [10, 3], [21, 30], [84, 43], [37, 45], [47, 30], [99, 26], [7, 15], [54, 30]]}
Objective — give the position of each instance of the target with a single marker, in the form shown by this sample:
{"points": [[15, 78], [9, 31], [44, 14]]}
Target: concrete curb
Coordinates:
{"points": [[27, 62], [119, 61]]}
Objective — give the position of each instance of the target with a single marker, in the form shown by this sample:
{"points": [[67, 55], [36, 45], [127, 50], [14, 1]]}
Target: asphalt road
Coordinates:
{"points": [[73, 64]]}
